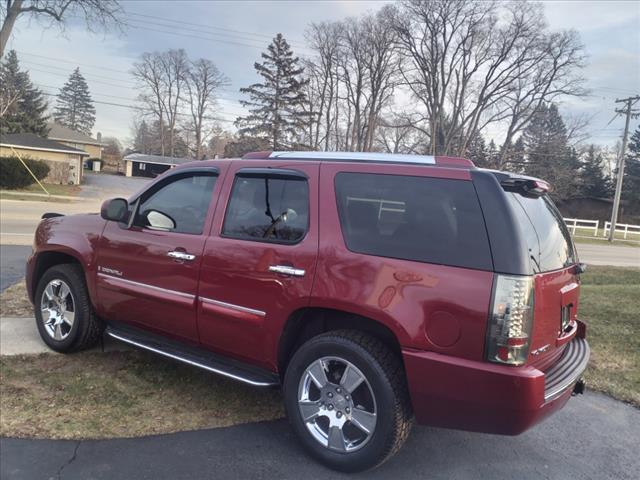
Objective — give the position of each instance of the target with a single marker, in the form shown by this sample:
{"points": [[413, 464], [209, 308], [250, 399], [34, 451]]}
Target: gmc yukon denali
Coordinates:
{"points": [[376, 290]]}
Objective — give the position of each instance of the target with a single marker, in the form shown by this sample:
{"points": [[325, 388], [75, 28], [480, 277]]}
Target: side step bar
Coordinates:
{"points": [[196, 357]]}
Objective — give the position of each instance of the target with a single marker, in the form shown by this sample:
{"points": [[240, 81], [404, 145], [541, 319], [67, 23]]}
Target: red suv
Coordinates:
{"points": [[372, 288]]}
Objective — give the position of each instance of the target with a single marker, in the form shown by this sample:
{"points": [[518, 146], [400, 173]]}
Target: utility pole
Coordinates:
{"points": [[629, 101]]}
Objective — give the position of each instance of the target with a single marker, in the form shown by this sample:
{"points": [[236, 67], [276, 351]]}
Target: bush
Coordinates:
{"points": [[13, 175]]}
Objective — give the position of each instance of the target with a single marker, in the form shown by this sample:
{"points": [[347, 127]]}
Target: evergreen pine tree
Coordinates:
{"points": [[548, 154], [631, 180], [594, 182], [492, 154], [275, 105], [477, 150], [74, 107], [23, 105]]}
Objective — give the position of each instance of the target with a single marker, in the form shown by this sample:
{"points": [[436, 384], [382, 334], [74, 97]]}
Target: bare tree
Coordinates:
{"points": [[149, 74], [398, 135], [96, 13], [162, 79], [322, 91], [203, 83], [175, 66], [471, 64], [353, 76]]}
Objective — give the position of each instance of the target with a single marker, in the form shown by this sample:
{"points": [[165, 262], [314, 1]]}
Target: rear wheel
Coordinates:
{"points": [[64, 315], [346, 397]]}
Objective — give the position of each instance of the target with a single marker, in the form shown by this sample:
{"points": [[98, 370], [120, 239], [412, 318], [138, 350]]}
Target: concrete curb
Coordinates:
{"points": [[19, 336], [38, 195]]}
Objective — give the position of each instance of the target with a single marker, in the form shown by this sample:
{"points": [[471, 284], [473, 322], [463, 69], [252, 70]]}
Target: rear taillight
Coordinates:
{"points": [[510, 320]]}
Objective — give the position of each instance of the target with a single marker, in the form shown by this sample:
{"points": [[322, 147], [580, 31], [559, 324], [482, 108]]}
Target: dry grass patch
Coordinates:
{"points": [[120, 394], [14, 301]]}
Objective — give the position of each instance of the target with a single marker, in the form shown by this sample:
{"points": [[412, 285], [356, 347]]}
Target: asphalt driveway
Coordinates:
{"points": [[12, 264], [593, 437]]}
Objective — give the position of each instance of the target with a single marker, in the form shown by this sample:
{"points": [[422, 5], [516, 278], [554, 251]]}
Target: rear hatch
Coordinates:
{"points": [[556, 285]]}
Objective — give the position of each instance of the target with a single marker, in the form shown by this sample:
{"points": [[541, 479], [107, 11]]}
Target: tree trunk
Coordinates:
{"points": [[7, 25]]}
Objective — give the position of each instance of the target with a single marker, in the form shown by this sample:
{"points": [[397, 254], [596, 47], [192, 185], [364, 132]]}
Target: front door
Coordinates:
{"points": [[259, 262], [147, 271]]}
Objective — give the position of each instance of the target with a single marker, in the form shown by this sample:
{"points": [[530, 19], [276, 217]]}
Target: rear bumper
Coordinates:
{"points": [[484, 397]]}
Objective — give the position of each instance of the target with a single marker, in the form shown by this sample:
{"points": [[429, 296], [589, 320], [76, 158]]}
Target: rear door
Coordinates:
{"points": [[557, 287], [259, 261]]}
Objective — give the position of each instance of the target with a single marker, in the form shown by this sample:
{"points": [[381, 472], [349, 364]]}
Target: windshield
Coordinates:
{"points": [[545, 232]]}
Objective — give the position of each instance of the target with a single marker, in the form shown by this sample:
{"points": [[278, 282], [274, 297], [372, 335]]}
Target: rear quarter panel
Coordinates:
{"points": [[427, 306]]}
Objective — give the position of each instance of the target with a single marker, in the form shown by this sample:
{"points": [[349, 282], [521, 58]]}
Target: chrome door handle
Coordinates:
{"points": [[181, 255], [287, 270]]}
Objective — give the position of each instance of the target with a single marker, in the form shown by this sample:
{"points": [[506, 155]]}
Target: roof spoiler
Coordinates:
{"points": [[528, 186]]}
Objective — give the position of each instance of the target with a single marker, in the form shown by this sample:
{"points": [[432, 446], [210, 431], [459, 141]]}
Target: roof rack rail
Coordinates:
{"points": [[375, 157]]}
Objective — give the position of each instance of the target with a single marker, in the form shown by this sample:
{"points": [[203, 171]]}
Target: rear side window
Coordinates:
{"points": [[431, 220], [548, 239], [268, 209]]}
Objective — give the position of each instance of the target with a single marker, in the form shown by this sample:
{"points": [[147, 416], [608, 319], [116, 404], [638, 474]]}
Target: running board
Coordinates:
{"points": [[196, 357]]}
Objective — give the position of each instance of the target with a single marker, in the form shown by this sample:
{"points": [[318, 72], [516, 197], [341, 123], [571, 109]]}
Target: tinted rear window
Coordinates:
{"points": [[547, 237], [431, 220]]}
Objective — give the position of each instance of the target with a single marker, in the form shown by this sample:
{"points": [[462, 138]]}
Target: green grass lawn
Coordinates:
{"points": [[53, 189], [610, 305]]}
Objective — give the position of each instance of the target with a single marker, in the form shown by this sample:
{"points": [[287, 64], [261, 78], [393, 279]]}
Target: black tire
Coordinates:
{"points": [[87, 328], [385, 374]]}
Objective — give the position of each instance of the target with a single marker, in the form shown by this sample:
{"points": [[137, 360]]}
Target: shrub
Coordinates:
{"points": [[13, 175]]}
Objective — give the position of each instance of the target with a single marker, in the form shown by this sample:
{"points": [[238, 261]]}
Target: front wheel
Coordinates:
{"points": [[346, 398], [64, 315]]}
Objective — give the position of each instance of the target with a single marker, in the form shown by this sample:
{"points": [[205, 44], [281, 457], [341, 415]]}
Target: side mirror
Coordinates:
{"points": [[115, 210]]}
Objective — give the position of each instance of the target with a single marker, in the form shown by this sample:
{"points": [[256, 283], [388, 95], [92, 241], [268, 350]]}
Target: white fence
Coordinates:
{"points": [[623, 228], [578, 223]]}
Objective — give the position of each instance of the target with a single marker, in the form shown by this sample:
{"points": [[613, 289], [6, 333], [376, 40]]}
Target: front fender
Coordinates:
{"points": [[62, 239]]}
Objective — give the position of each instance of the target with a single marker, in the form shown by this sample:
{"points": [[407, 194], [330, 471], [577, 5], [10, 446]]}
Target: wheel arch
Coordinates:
{"points": [[50, 258], [306, 323]]}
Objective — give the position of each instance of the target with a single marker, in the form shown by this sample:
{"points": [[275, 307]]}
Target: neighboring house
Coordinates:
{"points": [[74, 139], [65, 162], [140, 165], [592, 208]]}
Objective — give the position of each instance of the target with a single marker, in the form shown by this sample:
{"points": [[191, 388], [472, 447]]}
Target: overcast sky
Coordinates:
{"points": [[233, 33]]}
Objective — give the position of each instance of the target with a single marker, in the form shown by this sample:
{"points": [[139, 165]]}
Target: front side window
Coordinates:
{"points": [[424, 219], [270, 209], [178, 206]]}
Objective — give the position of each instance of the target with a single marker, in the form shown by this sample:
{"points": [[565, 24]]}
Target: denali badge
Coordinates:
{"points": [[540, 350], [112, 271]]}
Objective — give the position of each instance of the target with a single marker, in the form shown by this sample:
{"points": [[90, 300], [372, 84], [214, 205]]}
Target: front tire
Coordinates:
{"points": [[346, 397], [64, 315]]}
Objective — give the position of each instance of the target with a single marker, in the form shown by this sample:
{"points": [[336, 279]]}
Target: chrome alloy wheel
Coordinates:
{"points": [[337, 404], [58, 309]]}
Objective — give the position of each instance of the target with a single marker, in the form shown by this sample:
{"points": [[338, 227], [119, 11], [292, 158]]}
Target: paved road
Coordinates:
{"points": [[616, 255], [594, 437], [12, 262], [18, 219], [102, 186]]}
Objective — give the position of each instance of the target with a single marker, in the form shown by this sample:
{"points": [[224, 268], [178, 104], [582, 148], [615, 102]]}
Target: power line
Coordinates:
{"points": [[90, 66], [182, 22], [142, 109]]}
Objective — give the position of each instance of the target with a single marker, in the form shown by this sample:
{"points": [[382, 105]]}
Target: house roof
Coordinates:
{"points": [[31, 141], [140, 157], [65, 134]]}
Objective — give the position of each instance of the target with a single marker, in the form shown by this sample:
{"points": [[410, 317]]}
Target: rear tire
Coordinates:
{"points": [[64, 315], [356, 420]]}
